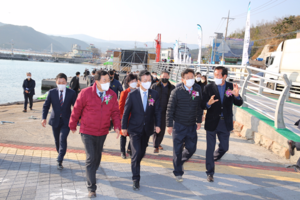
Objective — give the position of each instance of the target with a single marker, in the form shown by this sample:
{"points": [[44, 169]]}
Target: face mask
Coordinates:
{"points": [[218, 81], [203, 80], [105, 86], [198, 79], [164, 80], [111, 78], [133, 85], [146, 85], [61, 87], [154, 76], [28, 76], [190, 82]]}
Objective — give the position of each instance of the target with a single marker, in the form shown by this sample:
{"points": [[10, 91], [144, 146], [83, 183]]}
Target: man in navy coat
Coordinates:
{"points": [[144, 109], [61, 99]]}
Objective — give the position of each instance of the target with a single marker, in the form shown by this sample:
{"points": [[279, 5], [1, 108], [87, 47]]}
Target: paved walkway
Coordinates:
{"points": [[28, 168]]}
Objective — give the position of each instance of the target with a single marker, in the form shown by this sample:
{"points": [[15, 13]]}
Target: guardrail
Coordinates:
{"points": [[247, 81]]}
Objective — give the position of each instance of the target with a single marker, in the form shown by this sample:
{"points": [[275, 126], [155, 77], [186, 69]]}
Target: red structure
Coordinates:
{"points": [[158, 46]]}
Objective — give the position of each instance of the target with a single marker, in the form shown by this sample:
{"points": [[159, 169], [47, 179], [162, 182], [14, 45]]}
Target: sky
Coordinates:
{"points": [[141, 20]]}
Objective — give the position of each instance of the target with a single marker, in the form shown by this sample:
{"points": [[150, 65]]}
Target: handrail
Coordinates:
{"points": [[243, 84]]}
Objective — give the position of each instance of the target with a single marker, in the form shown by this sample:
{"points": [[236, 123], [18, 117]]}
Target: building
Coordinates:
{"points": [[77, 52], [166, 54]]}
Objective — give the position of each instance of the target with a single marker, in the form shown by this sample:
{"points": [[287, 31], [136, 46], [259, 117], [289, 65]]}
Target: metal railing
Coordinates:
{"points": [[252, 86]]}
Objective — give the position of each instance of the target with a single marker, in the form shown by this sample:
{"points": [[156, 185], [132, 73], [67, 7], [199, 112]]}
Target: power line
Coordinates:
{"points": [[257, 8]]}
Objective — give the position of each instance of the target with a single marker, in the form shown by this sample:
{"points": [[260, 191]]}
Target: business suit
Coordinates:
{"points": [[75, 84], [28, 85], [59, 119], [140, 125], [218, 122]]}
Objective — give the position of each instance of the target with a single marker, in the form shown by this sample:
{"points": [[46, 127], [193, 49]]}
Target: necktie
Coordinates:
{"points": [[145, 101], [61, 100], [101, 95]]}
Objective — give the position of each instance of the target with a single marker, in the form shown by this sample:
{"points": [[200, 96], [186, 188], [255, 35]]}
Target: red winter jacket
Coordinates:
{"points": [[95, 114]]}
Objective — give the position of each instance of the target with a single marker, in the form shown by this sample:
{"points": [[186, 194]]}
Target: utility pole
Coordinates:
{"points": [[224, 40]]}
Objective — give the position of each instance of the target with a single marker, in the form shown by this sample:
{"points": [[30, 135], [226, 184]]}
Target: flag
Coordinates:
{"points": [[245, 57], [199, 42], [175, 52]]}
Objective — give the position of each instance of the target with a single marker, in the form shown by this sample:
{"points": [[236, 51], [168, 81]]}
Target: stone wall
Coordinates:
{"points": [[251, 128]]}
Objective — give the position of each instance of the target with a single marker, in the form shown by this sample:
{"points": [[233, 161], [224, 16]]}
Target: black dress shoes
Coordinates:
{"points": [[136, 185], [291, 147], [130, 153], [59, 165], [210, 178], [123, 155]]}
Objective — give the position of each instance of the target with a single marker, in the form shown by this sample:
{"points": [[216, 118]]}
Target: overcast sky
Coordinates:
{"points": [[141, 20]]}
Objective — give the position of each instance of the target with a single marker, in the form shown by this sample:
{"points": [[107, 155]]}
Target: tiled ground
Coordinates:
{"points": [[32, 174]]}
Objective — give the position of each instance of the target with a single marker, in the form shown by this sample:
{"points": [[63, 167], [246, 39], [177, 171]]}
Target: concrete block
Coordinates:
{"points": [[266, 142], [238, 126], [276, 148], [257, 138], [247, 133]]}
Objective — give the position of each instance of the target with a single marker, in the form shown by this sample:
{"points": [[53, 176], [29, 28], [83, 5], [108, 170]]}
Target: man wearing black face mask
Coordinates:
{"points": [[164, 89], [115, 85]]}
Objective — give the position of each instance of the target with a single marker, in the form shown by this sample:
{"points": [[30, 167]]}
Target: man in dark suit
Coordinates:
{"points": [[218, 98], [184, 118], [143, 106], [75, 84], [28, 87], [164, 89], [61, 99]]}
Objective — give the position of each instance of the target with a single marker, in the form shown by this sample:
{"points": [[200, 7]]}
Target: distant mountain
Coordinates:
{"points": [[25, 37], [68, 42], [112, 44]]}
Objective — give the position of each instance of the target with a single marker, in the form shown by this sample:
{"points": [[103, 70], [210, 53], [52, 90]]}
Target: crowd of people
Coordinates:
{"points": [[147, 107]]}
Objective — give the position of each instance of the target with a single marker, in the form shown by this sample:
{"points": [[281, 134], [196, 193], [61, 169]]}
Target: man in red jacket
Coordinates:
{"points": [[95, 105]]}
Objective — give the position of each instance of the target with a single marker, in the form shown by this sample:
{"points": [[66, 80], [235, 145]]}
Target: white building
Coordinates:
{"points": [[77, 52]]}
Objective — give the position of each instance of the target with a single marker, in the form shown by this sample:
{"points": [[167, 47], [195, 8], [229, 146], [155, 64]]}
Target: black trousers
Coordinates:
{"points": [[298, 149], [139, 143], [93, 150], [26, 97], [123, 144], [211, 154], [158, 137], [60, 134], [184, 145]]}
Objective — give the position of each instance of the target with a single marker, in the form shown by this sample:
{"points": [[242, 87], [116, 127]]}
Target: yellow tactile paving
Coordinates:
{"points": [[224, 169]]}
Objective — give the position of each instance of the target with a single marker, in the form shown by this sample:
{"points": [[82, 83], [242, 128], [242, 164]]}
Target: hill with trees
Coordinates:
{"points": [[272, 33]]}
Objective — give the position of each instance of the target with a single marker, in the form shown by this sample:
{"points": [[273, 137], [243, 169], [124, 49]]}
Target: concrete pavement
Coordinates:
{"points": [[28, 168]]}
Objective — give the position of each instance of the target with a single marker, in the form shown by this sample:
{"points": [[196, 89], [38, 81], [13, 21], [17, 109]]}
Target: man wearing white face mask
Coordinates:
{"points": [[143, 107], [184, 109], [61, 99], [218, 98], [95, 105]]}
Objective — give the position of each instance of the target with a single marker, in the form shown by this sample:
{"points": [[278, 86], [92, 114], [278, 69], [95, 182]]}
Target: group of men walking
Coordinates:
{"points": [[149, 106]]}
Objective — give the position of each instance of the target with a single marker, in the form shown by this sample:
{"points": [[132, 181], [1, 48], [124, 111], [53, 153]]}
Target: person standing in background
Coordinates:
{"points": [[201, 80], [164, 89], [91, 79], [154, 78], [61, 99], [115, 85], [131, 80], [74, 83], [28, 87]]}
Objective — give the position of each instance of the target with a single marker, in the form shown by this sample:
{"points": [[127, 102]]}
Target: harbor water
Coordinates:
{"points": [[13, 73]]}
